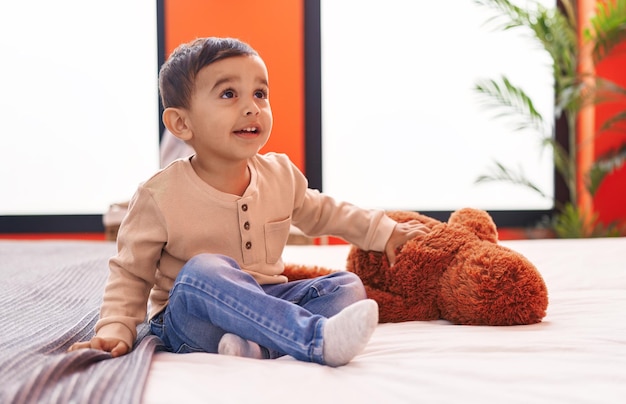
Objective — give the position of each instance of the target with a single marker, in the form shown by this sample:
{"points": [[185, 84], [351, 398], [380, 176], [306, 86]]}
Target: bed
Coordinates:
{"points": [[51, 292]]}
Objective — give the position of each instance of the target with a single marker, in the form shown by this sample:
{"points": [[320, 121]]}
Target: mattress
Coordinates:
{"points": [[51, 292]]}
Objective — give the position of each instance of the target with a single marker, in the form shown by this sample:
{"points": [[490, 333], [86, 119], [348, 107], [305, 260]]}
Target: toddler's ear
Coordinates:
{"points": [[175, 121]]}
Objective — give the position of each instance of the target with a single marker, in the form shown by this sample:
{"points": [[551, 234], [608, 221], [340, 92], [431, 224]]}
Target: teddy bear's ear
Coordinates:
{"points": [[478, 221], [401, 216]]}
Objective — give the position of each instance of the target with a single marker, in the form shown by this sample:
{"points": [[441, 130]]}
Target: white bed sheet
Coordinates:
{"points": [[576, 355]]}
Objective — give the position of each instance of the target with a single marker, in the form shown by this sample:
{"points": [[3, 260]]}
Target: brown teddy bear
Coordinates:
{"points": [[457, 272]]}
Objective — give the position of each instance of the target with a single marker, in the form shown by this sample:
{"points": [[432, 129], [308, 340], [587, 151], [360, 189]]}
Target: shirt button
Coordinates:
{"points": [[246, 225], [248, 245], [244, 207]]}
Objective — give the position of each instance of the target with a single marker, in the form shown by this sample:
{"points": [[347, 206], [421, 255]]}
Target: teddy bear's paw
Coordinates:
{"points": [[295, 272]]}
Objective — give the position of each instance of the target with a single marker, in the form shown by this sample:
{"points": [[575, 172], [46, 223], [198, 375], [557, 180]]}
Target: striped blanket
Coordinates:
{"points": [[51, 294]]}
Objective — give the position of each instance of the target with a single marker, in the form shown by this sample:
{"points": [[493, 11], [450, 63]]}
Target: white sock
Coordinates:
{"points": [[346, 333], [234, 345]]}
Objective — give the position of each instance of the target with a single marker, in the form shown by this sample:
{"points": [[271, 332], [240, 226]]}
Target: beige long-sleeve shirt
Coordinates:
{"points": [[175, 215]]}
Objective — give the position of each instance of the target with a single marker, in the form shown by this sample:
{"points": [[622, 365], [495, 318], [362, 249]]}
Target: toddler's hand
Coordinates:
{"points": [[402, 233], [115, 346]]}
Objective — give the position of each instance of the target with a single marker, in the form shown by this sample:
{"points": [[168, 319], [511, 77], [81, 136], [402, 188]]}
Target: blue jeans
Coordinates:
{"points": [[212, 296]]}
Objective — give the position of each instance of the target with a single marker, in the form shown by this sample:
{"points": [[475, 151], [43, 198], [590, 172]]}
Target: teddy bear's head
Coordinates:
{"points": [[457, 272]]}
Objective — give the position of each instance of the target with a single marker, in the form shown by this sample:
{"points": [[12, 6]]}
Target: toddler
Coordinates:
{"points": [[203, 237]]}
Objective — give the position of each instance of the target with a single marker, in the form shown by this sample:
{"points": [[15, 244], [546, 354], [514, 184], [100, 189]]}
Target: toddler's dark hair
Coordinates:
{"points": [[177, 75]]}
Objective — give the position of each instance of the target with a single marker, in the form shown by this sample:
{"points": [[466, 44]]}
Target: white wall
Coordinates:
{"points": [[402, 127], [78, 104]]}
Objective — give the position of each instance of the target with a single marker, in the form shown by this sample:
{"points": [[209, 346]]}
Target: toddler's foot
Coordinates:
{"points": [[346, 333], [234, 345]]}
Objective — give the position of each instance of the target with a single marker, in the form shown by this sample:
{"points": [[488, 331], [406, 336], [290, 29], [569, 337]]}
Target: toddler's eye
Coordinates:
{"points": [[260, 94], [228, 94]]}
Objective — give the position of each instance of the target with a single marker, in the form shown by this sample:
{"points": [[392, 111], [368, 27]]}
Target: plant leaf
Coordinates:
{"points": [[613, 122], [501, 173], [511, 102], [608, 28], [571, 222]]}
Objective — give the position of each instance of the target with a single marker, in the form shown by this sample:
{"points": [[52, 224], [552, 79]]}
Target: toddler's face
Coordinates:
{"points": [[230, 114]]}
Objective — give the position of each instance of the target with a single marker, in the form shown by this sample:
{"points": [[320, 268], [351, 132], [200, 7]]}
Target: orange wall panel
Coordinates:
{"points": [[276, 30], [610, 200]]}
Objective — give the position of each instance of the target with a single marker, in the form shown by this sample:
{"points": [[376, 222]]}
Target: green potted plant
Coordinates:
{"points": [[556, 29]]}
